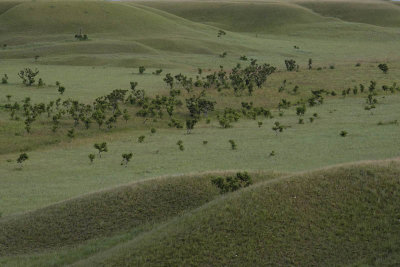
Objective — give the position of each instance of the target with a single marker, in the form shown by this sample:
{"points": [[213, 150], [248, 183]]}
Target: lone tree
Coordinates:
{"points": [[23, 157], [126, 158], [28, 76], [142, 69], [101, 148], [383, 67]]}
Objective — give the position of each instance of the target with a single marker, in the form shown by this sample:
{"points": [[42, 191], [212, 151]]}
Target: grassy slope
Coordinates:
{"points": [[150, 36], [380, 14], [92, 17], [241, 17], [107, 212], [336, 216], [46, 178], [340, 216]]}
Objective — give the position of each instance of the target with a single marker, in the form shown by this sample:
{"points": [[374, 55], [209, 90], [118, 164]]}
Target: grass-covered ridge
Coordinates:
{"points": [[338, 216], [107, 212], [374, 13], [241, 16]]}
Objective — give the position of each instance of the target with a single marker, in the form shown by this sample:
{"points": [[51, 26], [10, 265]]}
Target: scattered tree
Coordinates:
{"points": [[28, 76], [4, 80], [126, 158], [141, 69], [91, 158], [101, 147], [221, 33], [383, 67], [277, 127], [180, 145], [157, 72], [290, 64], [22, 157], [141, 138]]}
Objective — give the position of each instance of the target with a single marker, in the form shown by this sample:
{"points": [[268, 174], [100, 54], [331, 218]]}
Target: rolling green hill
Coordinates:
{"points": [[92, 17], [241, 17], [106, 213], [339, 216], [374, 13], [346, 215]]}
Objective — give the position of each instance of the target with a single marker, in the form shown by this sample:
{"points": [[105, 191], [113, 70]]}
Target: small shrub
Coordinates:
{"points": [[233, 144], [141, 138], [180, 145], [290, 64], [91, 158], [153, 130], [272, 154], [141, 69], [71, 133], [126, 158], [277, 127], [157, 72], [358, 64], [383, 67], [301, 121], [260, 123], [221, 33], [231, 184], [40, 82], [4, 80], [61, 90], [205, 142], [22, 157], [332, 67], [343, 133]]}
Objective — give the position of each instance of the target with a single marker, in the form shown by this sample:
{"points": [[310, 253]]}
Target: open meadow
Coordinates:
{"points": [[222, 133]]}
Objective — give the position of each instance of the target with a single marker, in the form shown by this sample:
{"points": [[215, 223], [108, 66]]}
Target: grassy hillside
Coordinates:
{"points": [[241, 17], [92, 17], [380, 14], [340, 216], [107, 212]]}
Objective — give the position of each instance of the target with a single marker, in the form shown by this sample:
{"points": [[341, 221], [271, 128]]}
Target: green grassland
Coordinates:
{"points": [[161, 209], [340, 215]]}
